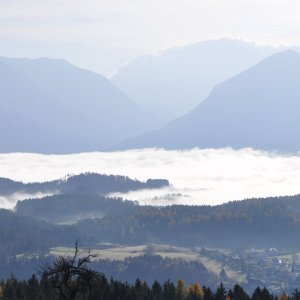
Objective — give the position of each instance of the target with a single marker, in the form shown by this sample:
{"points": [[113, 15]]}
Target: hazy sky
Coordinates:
{"points": [[102, 34], [201, 176]]}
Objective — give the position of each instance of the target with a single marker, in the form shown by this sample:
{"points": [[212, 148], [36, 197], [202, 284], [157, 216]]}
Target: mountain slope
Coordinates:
{"points": [[258, 108], [51, 106], [173, 82]]}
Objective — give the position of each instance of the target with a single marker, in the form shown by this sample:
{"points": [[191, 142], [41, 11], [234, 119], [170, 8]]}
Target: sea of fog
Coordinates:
{"points": [[197, 176]]}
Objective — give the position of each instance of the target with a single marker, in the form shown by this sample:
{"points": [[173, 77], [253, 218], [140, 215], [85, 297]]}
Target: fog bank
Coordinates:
{"points": [[198, 176]]}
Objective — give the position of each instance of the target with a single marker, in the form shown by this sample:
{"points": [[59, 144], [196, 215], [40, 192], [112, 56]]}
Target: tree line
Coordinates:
{"points": [[71, 278], [109, 289]]}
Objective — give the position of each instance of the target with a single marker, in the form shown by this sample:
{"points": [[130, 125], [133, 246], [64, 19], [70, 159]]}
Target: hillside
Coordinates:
{"points": [[21, 234], [253, 223], [173, 82], [258, 108], [79, 186], [242, 241], [70, 208], [60, 108], [85, 183]]}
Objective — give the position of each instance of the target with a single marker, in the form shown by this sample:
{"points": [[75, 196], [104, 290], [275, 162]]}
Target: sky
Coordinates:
{"points": [[197, 176], [102, 35]]}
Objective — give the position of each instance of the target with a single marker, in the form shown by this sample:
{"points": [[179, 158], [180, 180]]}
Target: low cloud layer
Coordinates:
{"points": [[10, 201], [198, 176]]}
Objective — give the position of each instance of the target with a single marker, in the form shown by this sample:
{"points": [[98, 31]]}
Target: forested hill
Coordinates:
{"points": [[258, 223], [87, 183], [21, 234], [253, 223], [69, 208]]}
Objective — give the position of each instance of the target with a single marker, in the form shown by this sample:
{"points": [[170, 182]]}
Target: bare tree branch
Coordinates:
{"points": [[71, 276]]}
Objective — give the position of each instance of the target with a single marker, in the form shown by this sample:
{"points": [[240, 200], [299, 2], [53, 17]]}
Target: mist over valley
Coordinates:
{"points": [[149, 150]]}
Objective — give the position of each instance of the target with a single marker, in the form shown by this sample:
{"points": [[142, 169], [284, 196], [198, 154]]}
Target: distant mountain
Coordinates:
{"points": [[51, 106], [173, 82], [258, 108]]}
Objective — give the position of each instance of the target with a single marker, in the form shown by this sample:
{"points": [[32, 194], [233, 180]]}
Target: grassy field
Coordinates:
{"points": [[120, 252]]}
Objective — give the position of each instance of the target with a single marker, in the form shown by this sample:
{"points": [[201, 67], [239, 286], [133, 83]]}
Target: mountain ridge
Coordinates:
{"points": [[63, 109], [172, 82], [238, 113]]}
